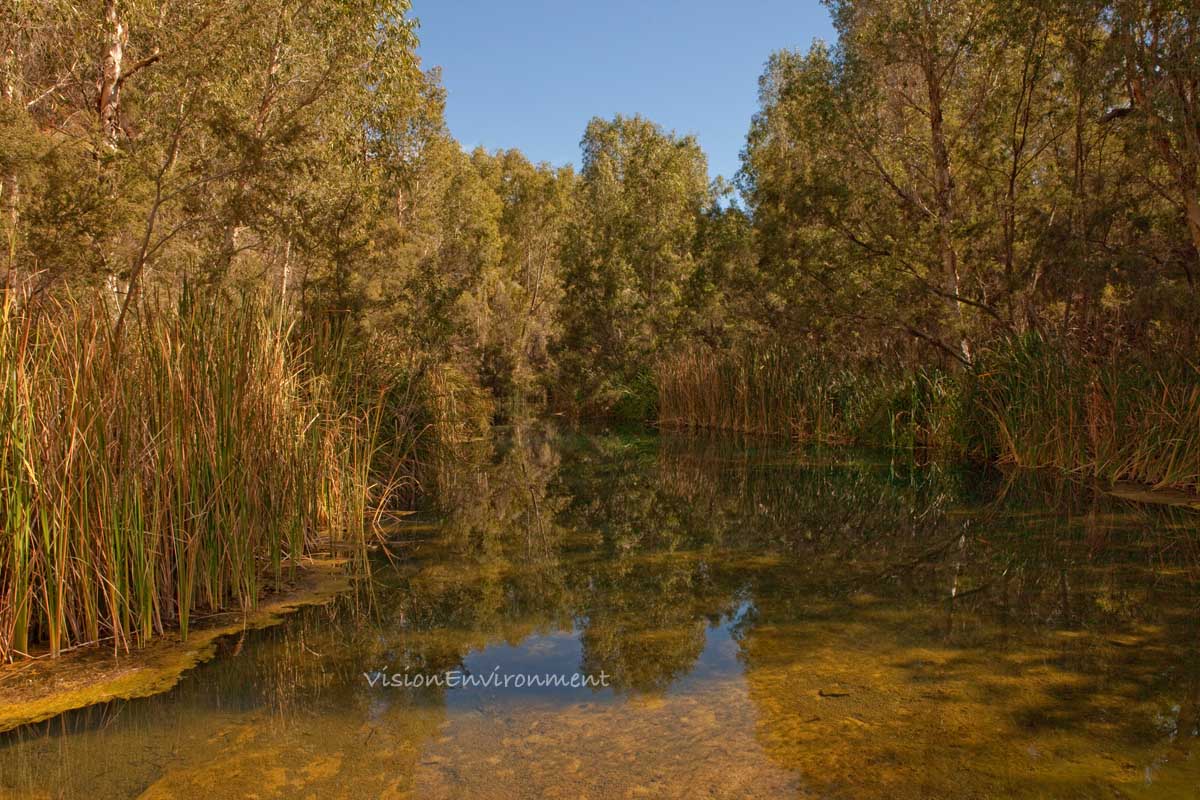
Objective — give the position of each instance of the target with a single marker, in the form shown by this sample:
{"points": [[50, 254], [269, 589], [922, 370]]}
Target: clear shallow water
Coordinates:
{"points": [[772, 625]]}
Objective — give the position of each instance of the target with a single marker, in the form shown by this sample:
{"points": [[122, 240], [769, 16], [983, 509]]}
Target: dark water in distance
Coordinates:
{"points": [[770, 624]]}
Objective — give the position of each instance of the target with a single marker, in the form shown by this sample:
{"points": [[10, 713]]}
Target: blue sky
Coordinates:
{"points": [[529, 74]]}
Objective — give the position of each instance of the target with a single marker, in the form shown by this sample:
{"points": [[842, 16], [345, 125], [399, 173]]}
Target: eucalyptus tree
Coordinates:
{"points": [[628, 252], [726, 298], [514, 310], [962, 171], [52, 209], [1158, 44], [163, 140]]}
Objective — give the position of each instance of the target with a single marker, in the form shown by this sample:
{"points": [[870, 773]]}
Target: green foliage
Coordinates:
{"points": [[628, 254], [950, 174], [635, 401], [512, 315], [972, 226]]}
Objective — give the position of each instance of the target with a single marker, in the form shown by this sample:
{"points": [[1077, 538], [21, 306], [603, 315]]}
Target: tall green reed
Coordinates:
{"points": [[777, 391], [1025, 401], [173, 469], [1034, 404]]}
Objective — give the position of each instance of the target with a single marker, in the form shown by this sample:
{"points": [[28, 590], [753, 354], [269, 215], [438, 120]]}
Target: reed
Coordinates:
{"points": [[173, 469], [1121, 419], [1024, 402], [748, 392], [776, 391], [1163, 447]]}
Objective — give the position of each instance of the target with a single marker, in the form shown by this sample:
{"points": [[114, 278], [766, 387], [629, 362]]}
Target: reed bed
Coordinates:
{"points": [[749, 392], [775, 391], [172, 469], [1035, 405], [1024, 402]]}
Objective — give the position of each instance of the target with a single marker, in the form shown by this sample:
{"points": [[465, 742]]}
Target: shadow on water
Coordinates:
{"points": [[770, 624]]}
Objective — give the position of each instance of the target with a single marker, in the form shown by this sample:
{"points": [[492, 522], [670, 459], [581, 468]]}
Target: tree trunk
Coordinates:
{"points": [[10, 189], [108, 110], [108, 101], [944, 198], [1192, 208]]}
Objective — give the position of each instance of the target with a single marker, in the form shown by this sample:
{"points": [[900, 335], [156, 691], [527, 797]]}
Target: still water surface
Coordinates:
{"points": [[770, 625]]}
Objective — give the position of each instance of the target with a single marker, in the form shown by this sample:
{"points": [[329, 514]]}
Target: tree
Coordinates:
{"points": [[962, 172], [1159, 47], [628, 251], [514, 310]]}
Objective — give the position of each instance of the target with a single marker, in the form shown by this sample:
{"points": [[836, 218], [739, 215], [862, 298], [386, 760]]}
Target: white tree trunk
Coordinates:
{"points": [[108, 102], [10, 188]]}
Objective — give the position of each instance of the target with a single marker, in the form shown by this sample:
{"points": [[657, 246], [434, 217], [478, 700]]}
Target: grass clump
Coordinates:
{"points": [[1119, 419]]}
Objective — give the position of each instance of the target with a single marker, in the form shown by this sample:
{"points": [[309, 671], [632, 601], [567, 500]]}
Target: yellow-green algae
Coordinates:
{"points": [[851, 705], [37, 690]]}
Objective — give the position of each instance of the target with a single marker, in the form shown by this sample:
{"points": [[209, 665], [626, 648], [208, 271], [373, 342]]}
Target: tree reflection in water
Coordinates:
{"points": [[832, 622]]}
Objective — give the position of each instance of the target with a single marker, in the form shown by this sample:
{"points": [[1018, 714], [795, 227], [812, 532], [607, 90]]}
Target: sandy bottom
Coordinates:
{"points": [[831, 708]]}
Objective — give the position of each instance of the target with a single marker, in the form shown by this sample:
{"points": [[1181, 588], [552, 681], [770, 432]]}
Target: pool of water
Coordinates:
{"points": [[757, 623]]}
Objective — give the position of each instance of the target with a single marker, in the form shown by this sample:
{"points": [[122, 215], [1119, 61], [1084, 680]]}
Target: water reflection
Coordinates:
{"points": [[836, 624]]}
